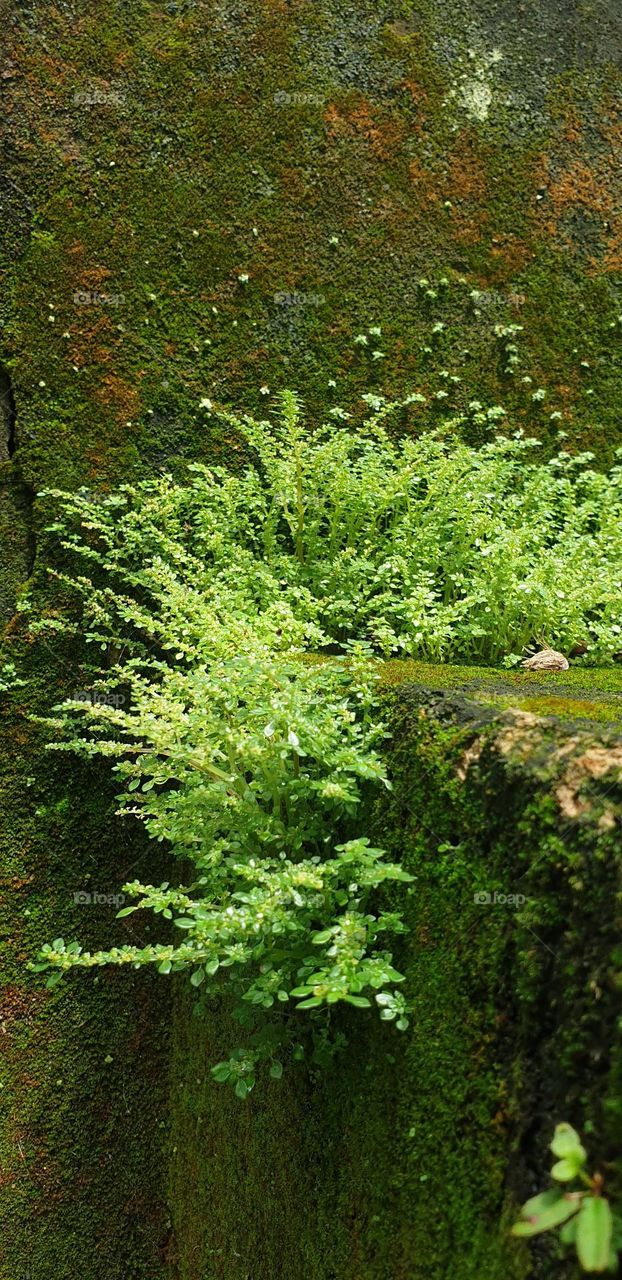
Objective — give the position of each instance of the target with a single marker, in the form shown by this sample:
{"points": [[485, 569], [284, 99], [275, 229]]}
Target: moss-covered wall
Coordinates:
{"points": [[212, 201], [405, 1160], [83, 1093]]}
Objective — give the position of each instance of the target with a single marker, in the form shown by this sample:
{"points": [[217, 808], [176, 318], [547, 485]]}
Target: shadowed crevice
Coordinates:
{"points": [[8, 414]]}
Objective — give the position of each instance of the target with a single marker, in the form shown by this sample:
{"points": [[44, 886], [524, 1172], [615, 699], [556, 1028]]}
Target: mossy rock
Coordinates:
{"points": [[337, 156], [581, 693], [407, 1159]]}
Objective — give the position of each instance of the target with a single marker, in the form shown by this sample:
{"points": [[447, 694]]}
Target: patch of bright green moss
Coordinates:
{"points": [[579, 693]]}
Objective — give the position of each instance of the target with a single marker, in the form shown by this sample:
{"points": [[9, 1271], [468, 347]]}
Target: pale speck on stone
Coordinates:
{"points": [[546, 660]]}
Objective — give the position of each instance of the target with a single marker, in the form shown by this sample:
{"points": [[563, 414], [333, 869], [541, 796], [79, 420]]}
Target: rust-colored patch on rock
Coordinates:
{"points": [[422, 180], [17, 1004], [581, 179], [357, 119], [467, 185], [120, 396], [509, 256]]}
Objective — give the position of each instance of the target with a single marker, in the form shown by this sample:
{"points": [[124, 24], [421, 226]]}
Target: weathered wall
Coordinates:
{"points": [[334, 154], [406, 1159], [83, 1094], [154, 157]]}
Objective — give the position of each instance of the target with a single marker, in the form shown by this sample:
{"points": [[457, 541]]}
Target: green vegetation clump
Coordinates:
{"points": [[251, 770], [427, 548], [584, 1214], [251, 764]]}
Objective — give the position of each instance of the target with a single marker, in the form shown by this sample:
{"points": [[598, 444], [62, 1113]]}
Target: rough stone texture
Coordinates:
{"points": [[154, 156]]}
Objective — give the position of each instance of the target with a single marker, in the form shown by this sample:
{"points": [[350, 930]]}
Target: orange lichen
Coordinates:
{"points": [[587, 184], [467, 184], [17, 1004], [416, 91], [509, 255], [359, 119], [120, 396], [423, 184]]}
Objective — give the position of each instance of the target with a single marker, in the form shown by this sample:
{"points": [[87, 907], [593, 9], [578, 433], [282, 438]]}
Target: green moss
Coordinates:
{"points": [[82, 1080], [161, 222], [581, 693], [405, 1160], [15, 538], [104, 199]]}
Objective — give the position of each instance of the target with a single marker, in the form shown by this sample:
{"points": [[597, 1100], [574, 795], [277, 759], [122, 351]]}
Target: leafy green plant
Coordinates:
{"points": [[203, 603], [583, 1215], [248, 769], [420, 547], [9, 678]]}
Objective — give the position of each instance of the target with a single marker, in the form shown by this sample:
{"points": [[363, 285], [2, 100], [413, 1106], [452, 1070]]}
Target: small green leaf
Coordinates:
{"points": [[551, 1214], [241, 1088], [594, 1226], [543, 1201], [276, 1070], [566, 1170], [568, 1232], [566, 1142], [197, 977]]}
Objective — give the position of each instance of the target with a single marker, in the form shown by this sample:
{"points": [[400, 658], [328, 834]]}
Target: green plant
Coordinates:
{"points": [[248, 769], [423, 547], [201, 602], [9, 678], [583, 1215]]}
